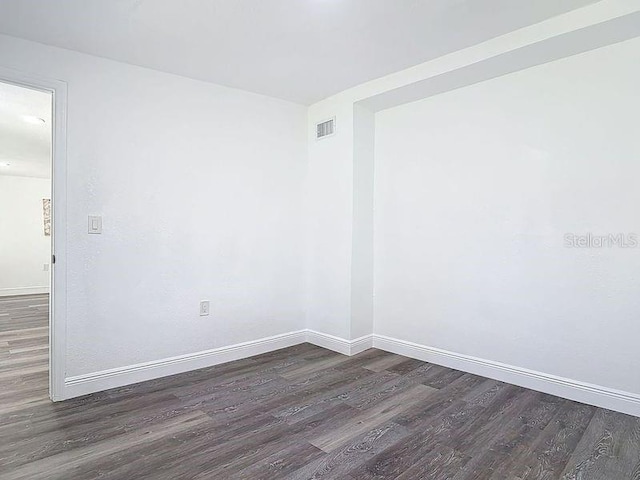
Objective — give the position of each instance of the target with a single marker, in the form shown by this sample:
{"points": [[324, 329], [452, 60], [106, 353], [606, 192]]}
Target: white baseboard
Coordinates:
{"points": [[361, 344], [118, 377], [7, 292], [329, 342], [340, 345], [604, 397]]}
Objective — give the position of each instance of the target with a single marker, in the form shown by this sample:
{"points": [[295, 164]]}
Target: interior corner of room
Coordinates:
{"points": [[278, 232], [448, 241]]}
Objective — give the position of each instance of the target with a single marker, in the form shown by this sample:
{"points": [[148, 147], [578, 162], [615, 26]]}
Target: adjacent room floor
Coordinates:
{"points": [[299, 413], [24, 353]]}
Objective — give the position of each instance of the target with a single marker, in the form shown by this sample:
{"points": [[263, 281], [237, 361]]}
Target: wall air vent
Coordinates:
{"points": [[326, 129]]}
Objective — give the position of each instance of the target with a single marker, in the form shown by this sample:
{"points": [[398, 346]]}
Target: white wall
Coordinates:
{"points": [[201, 192], [333, 270], [475, 190], [329, 206], [24, 249], [213, 193], [362, 231]]}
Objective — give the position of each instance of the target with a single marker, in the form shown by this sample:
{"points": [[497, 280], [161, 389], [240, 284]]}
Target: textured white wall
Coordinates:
{"points": [[200, 188], [213, 193], [362, 231], [474, 192], [24, 249], [332, 268], [329, 205]]}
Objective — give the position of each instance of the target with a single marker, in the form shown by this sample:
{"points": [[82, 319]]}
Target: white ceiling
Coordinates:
{"points": [[24, 145], [299, 50]]}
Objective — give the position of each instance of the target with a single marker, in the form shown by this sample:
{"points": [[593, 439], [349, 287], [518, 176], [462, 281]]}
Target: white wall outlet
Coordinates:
{"points": [[45, 267], [204, 308]]}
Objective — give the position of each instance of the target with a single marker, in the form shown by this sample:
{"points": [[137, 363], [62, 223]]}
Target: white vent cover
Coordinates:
{"points": [[326, 128]]}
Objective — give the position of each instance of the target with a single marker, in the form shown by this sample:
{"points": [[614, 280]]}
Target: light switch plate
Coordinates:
{"points": [[95, 224]]}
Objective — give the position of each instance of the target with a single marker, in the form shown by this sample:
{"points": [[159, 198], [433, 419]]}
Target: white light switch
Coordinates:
{"points": [[95, 224]]}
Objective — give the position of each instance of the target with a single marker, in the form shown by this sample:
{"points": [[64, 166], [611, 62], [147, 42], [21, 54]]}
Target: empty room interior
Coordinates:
{"points": [[319, 239]]}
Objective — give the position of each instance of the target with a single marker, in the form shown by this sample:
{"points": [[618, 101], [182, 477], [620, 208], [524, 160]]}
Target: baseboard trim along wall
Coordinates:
{"points": [[598, 396], [340, 345], [119, 377], [619, 401], [8, 292]]}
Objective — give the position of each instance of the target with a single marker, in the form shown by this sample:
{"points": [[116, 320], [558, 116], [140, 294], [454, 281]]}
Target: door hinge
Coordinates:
{"points": [[53, 259]]}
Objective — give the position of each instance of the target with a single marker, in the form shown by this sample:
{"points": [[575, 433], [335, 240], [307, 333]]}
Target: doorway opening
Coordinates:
{"points": [[26, 243]]}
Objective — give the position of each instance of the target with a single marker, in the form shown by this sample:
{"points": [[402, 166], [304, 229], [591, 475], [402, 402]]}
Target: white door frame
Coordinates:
{"points": [[58, 279]]}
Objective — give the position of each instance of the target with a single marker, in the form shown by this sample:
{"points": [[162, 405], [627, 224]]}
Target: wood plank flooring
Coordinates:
{"points": [[24, 353], [298, 413]]}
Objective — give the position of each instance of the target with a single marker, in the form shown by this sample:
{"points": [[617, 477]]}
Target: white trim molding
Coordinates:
{"points": [[118, 377], [361, 344], [8, 292], [338, 344], [604, 397], [84, 384], [596, 395]]}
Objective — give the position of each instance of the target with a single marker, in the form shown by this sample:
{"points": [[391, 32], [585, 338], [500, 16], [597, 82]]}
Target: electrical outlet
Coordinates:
{"points": [[204, 308], [95, 224], [45, 267]]}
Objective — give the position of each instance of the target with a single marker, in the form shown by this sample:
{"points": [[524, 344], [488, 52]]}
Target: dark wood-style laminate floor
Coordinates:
{"points": [[298, 413]]}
